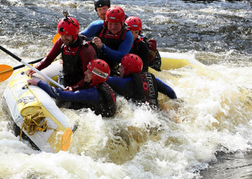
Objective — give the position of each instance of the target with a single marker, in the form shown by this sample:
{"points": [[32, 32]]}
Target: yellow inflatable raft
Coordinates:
{"points": [[170, 61], [36, 114]]}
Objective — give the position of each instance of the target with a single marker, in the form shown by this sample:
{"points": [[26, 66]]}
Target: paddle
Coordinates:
{"points": [[6, 70], [66, 137], [25, 63], [31, 62], [55, 38]]}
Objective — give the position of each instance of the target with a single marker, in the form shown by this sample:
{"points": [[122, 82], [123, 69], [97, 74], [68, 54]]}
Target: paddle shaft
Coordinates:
{"points": [[39, 72], [21, 66]]}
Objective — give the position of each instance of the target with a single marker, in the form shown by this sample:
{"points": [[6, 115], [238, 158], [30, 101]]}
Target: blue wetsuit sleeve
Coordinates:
{"points": [[165, 89], [123, 49], [92, 28], [118, 84], [90, 94]]}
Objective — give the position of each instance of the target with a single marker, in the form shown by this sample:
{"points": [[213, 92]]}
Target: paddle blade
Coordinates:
{"points": [[66, 139], [5, 72], [55, 38]]}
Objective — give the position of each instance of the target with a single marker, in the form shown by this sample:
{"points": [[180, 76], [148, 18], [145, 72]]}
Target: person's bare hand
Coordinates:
{"points": [[30, 72], [68, 88], [97, 41], [33, 81]]}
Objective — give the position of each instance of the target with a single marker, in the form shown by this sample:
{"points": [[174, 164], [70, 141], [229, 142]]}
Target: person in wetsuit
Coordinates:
{"points": [[144, 48], [112, 37], [140, 87], [76, 53], [97, 95], [101, 7], [139, 46]]}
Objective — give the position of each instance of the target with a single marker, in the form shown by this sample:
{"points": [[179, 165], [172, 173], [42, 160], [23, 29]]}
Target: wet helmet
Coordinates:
{"points": [[68, 26], [101, 3], [100, 70], [132, 63], [115, 14], [134, 23]]}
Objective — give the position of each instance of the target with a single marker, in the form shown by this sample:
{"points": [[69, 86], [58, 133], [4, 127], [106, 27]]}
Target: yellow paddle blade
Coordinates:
{"points": [[66, 139], [55, 38], [5, 72]]}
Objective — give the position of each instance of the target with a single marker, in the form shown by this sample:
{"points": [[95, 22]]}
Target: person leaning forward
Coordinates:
{"points": [[97, 95], [137, 86], [76, 53]]}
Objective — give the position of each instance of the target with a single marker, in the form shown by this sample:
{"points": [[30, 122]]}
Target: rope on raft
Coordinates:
{"points": [[34, 118]]}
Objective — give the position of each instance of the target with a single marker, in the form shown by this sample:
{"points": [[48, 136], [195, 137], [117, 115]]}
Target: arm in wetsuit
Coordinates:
{"points": [[165, 89], [120, 84], [123, 49], [90, 94], [92, 29], [114, 55]]}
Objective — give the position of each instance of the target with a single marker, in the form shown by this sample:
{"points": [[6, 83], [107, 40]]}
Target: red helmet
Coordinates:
{"points": [[68, 26], [132, 63], [134, 23], [100, 70], [115, 14]]}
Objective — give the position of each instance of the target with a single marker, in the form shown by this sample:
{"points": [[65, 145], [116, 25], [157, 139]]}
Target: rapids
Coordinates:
{"points": [[205, 134]]}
